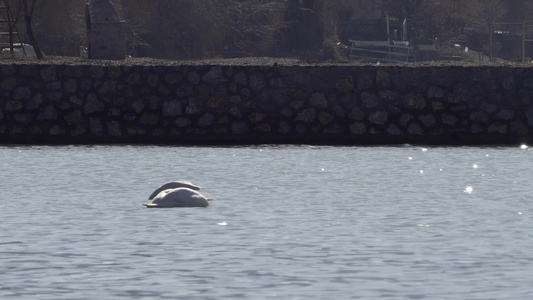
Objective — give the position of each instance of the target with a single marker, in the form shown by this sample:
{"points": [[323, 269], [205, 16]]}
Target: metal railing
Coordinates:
{"points": [[520, 29], [376, 51]]}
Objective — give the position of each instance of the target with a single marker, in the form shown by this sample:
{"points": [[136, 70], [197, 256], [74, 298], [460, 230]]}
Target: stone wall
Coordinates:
{"points": [[259, 104]]}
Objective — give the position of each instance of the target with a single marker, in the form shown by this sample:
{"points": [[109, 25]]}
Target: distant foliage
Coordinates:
{"points": [[207, 28]]}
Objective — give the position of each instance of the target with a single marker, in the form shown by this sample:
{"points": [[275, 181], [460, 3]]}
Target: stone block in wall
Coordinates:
{"points": [[283, 127], [22, 93], [23, 118], [357, 114], [358, 128], [214, 75], [78, 131], [95, 126], [193, 77], [257, 82], [297, 104], [239, 127], [307, 115], [256, 117], [378, 117], [325, 118], [318, 100], [49, 113], [518, 127], [299, 92], [171, 108], [182, 122], [278, 82], [428, 120], [153, 102], [172, 78], [498, 128], [114, 128], [393, 129], [506, 114], [193, 107], [134, 78], [153, 80], [148, 118], [437, 106], [365, 81], [509, 82], [53, 85], [263, 128], [217, 102], [334, 129], [241, 79], [479, 116], [415, 101], [449, 120], [370, 100], [35, 102], [435, 92], [35, 130], [8, 83], [57, 130], [93, 104], [388, 95], [301, 129], [70, 86], [184, 90], [74, 117], [8, 70], [95, 72], [406, 119], [206, 120], [13, 105], [349, 100], [415, 129], [49, 73], [382, 79], [56, 96], [346, 84]]}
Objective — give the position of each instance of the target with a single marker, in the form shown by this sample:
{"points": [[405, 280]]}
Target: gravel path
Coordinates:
{"points": [[244, 61]]}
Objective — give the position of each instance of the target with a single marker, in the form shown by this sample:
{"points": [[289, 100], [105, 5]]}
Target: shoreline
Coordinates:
{"points": [[245, 61]]}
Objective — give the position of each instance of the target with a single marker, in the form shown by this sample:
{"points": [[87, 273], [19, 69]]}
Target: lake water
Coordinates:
{"points": [[287, 222]]}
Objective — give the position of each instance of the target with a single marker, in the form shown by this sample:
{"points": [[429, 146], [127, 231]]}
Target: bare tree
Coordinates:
{"points": [[336, 15], [11, 19], [252, 26], [491, 10], [28, 7], [140, 17]]}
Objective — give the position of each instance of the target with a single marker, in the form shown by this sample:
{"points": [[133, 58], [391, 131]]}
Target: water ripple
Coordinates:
{"points": [[288, 222]]}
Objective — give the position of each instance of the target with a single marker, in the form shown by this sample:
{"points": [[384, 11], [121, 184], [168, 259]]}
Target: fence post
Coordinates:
{"points": [[524, 42], [490, 41]]}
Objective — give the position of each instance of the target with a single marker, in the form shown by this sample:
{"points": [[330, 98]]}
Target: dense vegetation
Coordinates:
{"points": [[207, 28]]}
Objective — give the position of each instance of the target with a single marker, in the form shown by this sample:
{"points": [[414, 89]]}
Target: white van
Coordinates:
{"points": [[17, 50]]}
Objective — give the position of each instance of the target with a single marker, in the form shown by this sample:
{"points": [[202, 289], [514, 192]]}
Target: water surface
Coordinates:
{"points": [[287, 222]]}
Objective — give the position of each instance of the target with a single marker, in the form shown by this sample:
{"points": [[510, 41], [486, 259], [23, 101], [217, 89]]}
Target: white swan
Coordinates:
{"points": [[178, 197], [174, 185]]}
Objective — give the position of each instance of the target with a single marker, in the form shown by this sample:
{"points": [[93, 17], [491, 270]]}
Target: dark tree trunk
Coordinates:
{"points": [[28, 15]]}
